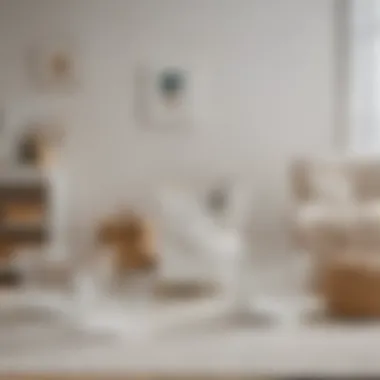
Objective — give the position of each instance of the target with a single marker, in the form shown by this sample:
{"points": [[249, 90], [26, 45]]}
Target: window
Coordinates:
{"points": [[364, 72]]}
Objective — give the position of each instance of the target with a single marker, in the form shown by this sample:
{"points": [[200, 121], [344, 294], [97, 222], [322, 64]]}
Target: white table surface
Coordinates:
{"points": [[284, 353], [283, 350]]}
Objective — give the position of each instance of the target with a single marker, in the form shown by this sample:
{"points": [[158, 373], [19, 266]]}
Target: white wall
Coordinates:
{"points": [[270, 65]]}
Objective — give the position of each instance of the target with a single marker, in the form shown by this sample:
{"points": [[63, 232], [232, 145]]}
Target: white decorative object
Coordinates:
{"points": [[194, 245], [58, 249], [51, 135], [205, 249]]}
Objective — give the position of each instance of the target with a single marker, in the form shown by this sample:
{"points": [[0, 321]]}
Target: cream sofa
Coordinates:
{"points": [[353, 220], [333, 224]]}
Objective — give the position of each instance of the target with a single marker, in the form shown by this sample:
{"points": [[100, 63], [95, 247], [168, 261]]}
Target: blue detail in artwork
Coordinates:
{"points": [[171, 82]]}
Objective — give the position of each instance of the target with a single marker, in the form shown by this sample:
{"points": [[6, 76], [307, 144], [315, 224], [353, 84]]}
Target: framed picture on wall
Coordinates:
{"points": [[53, 67], [166, 97]]}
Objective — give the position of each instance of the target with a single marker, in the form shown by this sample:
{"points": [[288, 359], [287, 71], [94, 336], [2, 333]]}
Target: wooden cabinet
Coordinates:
{"points": [[24, 218], [23, 212]]}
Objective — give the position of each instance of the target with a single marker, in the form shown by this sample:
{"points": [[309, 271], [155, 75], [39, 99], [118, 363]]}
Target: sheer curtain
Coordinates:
{"points": [[364, 21]]}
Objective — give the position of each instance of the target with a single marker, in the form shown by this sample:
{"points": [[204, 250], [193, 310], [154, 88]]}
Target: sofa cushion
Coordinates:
{"points": [[331, 184]]}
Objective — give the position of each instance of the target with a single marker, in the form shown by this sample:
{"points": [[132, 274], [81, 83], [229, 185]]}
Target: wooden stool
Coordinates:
{"points": [[132, 238], [351, 285]]}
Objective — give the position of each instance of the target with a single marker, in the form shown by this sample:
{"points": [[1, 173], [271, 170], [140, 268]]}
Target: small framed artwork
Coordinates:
{"points": [[165, 97], [54, 68]]}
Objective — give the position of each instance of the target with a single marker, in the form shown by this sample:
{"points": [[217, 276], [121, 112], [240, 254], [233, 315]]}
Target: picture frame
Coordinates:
{"points": [[54, 67], [168, 96]]}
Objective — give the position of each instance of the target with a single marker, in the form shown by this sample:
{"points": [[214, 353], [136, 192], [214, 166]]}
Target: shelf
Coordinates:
{"points": [[24, 206], [27, 192], [23, 234]]}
